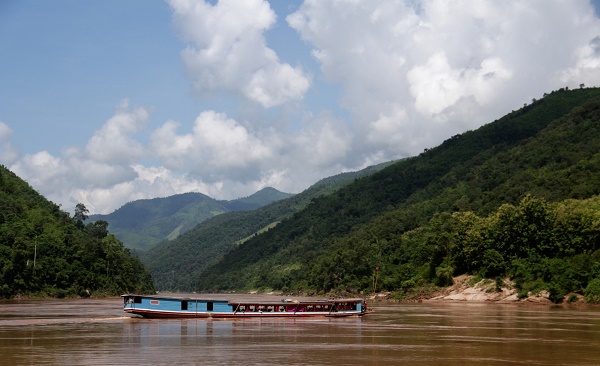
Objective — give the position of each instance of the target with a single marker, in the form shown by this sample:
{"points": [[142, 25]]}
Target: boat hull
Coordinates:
{"points": [[171, 307]]}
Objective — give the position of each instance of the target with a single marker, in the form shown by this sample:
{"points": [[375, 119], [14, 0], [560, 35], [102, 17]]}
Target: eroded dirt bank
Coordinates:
{"points": [[466, 288]]}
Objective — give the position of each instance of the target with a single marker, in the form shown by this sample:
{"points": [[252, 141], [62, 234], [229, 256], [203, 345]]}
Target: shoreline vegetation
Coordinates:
{"points": [[468, 288]]}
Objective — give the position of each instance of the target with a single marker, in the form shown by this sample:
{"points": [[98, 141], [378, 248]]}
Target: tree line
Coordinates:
{"points": [[46, 252]]}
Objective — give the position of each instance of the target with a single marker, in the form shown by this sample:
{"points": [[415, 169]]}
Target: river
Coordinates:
{"points": [[98, 332]]}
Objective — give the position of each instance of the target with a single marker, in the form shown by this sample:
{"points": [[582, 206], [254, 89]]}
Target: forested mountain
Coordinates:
{"points": [[45, 252], [176, 264], [517, 198], [143, 223], [261, 198]]}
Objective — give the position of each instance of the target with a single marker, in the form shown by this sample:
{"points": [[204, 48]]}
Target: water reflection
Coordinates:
{"points": [[85, 332]]}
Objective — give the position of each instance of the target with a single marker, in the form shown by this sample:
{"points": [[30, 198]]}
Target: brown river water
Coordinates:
{"points": [[98, 332]]}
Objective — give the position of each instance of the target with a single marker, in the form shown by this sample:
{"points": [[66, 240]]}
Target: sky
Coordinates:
{"points": [[106, 102]]}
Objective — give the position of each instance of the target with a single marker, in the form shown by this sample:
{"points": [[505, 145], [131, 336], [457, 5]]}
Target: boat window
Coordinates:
{"points": [[184, 305], [209, 306], [137, 299]]}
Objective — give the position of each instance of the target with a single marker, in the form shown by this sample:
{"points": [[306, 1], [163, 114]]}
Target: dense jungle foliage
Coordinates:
{"points": [[176, 265], [516, 198], [45, 252]]}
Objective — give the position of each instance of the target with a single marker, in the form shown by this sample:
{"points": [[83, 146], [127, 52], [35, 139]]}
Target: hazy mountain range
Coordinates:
{"points": [[143, 223]]}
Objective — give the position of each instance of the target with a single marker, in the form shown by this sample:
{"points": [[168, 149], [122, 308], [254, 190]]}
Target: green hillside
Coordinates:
{"points": [[476, 196], [176, 264], [261, 198], [143, 223], [45, 252]]}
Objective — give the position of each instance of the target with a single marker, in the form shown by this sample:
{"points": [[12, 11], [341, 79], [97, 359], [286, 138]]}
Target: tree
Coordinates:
{"points": [[98, 229], [470, 243], [80, 213], [592, 291]]}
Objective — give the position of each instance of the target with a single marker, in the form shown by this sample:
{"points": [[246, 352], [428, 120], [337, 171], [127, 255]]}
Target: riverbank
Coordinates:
{"points": [[465, 288], [471, 289]]}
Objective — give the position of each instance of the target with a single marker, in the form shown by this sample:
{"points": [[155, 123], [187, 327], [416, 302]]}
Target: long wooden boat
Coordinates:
{"points": [[151, 306]]}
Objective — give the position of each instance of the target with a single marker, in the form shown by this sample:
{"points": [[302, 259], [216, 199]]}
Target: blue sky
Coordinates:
{"points": [[104, 102]]}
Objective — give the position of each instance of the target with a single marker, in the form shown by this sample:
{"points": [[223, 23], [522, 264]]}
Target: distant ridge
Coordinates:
{"points": [[175, 265], [141, 224]]}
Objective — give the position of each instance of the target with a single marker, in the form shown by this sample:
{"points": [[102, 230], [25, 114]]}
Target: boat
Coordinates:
{"points": [[155, 306]]}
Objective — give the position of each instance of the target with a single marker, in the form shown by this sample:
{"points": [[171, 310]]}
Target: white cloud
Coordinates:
{"points": [[70, 179], [225, 142], [149, 182], [587, 67], [114, 143], [98, 175], [41, 169], [173, 150], [410, 73], [219, 157], [325, 142], [218, 147], [388, 129], [228, 51], [435, 86], [448, 66], [8, 154]]}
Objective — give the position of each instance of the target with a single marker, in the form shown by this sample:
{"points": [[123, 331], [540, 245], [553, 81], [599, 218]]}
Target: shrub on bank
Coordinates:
{"points": [[592, 291]]}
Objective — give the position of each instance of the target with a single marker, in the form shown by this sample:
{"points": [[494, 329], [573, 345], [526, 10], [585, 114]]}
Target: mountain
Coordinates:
{"points": [[516, 197], [176, 264], [259, 199], [143, 223], [45, 252]]}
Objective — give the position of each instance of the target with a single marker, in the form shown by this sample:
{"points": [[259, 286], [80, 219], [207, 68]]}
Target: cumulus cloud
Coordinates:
{"points": [[324, 143], [173, 150], [217, 148], [228, 51], [8, 153], [388, 128], [149, 182], [219, 156], [97, 175], [114, 141], [587, 66], [42, 169], [441, 67], [226, 143], [410, 73]]}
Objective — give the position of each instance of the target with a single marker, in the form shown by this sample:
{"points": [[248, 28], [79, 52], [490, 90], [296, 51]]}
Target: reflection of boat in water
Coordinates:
{"points": [[151, 306]]}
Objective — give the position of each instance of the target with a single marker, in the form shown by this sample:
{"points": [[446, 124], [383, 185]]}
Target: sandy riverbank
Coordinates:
{"points": [[485, 290]]}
